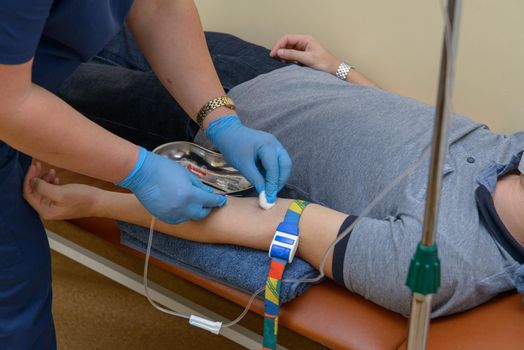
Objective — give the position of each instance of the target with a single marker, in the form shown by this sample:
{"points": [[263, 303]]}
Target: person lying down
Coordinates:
{"points": [[349, 141]]}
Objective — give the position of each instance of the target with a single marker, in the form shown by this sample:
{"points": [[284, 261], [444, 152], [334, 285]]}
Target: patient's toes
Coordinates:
{"points": [[50, 176], [28, 186]]}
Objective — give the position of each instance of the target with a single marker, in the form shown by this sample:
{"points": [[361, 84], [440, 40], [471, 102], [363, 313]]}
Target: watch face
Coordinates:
{"points": [[229, 102]]}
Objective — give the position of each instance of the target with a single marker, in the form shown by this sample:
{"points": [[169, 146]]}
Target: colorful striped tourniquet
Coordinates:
{"points": [[272, 292]]}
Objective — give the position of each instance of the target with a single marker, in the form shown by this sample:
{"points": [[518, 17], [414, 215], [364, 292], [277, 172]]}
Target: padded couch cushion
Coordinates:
{"points": [[498, 324]]}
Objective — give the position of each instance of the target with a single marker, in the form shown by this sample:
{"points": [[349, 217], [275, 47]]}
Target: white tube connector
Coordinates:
{"points": [[200, 322], [263, 203]]}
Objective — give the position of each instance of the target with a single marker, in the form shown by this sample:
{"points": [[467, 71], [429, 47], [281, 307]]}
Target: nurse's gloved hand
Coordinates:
{"points": [[169, 191], [248, 149]]}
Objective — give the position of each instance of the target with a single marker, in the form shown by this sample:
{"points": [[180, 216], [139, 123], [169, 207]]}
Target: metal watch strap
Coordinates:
{"points": [[343, 71], [222, 101]]}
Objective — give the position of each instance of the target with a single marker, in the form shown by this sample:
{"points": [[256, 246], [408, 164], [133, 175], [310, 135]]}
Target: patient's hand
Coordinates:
{"points": [[306, 50], [58, 202]]}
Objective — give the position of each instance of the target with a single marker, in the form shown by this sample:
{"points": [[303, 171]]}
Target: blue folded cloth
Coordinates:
{"points": [[239, 267], [519, 279]]}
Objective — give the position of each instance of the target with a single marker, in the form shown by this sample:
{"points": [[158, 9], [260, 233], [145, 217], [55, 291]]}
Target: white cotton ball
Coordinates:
{"points": [[262, 201]]}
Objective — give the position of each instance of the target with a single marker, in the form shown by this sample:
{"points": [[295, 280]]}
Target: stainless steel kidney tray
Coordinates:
{"points": [[210, 167]]}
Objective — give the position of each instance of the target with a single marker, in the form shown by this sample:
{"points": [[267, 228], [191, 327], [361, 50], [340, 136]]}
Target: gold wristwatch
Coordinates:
{"points": [[222, 101]]}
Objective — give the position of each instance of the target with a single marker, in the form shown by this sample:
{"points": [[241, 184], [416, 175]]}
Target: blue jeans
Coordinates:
{"points": [[25, 263], [119, 91]]}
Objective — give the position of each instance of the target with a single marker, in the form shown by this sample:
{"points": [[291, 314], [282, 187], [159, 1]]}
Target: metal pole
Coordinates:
{"points": [[424, 272]]}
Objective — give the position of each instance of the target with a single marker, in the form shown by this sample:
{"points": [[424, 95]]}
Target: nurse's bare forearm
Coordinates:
{"points": [[240, 222], [38, 123], [170, 35]]}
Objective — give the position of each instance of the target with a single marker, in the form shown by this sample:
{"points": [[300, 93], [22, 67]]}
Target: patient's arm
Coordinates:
{"points": [[308, 51], [240, 222]]}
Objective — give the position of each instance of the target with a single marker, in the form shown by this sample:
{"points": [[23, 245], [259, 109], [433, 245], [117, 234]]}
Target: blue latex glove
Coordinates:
{"points": [[169, 191], [245, 148]]}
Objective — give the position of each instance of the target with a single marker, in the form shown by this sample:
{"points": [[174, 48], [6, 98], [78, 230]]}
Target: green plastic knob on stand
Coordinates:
{"points": [[424, 271]]}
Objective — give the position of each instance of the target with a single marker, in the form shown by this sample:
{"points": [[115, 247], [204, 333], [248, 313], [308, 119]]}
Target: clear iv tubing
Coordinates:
{"points": [[146, 269], [363, 214], [171, 312], [396, 181], [425, 155], [340, 237]]}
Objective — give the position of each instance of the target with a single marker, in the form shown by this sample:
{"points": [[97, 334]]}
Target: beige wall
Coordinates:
{"points": [[397, 44]]}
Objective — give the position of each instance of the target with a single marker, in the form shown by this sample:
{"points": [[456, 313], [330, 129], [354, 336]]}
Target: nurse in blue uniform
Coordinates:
{"points": [[42, 42]]}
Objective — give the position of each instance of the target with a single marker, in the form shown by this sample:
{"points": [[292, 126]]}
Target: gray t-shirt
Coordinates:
{"points": [[347, 143]]}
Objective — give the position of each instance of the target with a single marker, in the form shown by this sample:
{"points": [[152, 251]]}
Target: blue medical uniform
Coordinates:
{"points": [[59, 35]]}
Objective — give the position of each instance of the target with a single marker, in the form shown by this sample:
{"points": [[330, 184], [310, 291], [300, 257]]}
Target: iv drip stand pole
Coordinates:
{"points": [[424, 272]]}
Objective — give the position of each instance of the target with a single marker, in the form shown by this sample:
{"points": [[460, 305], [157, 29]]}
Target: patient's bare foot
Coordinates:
{"points": [[58, 202]]}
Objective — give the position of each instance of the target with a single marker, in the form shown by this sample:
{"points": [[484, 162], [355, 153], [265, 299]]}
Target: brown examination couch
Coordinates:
{"points": [[339, 319]]}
